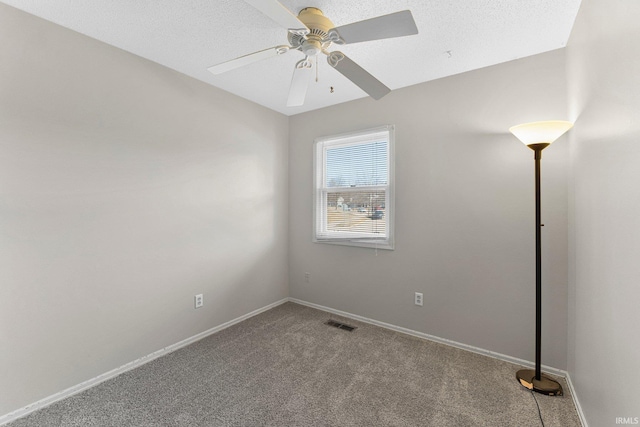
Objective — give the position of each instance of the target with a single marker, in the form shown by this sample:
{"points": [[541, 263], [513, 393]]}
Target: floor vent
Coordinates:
{"points": [[340, 325]]}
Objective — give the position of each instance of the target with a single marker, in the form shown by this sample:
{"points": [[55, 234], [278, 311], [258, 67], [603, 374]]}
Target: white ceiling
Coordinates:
{"points": [[191, 35]]}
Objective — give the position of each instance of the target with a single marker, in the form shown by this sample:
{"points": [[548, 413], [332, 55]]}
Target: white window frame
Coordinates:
{"points": [[320, 232]]}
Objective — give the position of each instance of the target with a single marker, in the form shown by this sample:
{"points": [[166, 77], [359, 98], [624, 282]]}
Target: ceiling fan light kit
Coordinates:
{"points": [[313, 33]]}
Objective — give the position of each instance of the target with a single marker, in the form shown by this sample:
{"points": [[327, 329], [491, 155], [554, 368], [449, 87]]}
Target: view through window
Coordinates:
{"points": [[353, 185]]}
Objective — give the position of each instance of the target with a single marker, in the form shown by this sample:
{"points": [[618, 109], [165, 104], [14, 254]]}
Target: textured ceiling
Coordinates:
{"points": [[191, 35]]}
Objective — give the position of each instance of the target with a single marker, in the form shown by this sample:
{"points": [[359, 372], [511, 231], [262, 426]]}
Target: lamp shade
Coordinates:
{"points": [[540, 132]]}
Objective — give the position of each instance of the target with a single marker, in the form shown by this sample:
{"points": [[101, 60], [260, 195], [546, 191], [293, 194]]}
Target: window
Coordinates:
{"points": [[353, 184]]}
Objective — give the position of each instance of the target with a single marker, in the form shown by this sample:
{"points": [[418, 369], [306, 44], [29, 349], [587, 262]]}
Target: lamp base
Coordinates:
{"points": [[545, 385]]}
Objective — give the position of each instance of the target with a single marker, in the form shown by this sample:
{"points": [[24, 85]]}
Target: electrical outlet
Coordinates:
{"points": [[418, 299], [199, 300], [307, 277]]}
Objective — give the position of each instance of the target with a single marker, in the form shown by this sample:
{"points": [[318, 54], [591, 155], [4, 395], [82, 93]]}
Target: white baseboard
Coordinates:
{"points": [[576, 402], [12, 416]]}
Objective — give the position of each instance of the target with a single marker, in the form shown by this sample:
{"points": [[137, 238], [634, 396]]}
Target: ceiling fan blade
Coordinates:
{"points": [[396, 24], [358, 75], [280, 14], [299, 82], [248, 59]]}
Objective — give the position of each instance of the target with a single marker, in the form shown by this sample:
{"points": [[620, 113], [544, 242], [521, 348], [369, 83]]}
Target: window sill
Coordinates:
{"points": [[381, 244]]}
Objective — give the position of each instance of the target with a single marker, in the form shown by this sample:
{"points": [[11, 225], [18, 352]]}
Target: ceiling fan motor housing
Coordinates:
{"points": [[319, 26]]}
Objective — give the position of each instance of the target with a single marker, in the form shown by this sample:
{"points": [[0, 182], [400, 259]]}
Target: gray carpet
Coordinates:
{"points": [[285, 367]]}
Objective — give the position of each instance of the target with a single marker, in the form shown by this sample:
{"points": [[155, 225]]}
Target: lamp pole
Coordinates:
{"points": [[534, 379], [537, 148]]}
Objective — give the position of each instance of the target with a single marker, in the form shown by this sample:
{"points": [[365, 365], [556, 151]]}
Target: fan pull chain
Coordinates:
{"points": [[317, 68]]}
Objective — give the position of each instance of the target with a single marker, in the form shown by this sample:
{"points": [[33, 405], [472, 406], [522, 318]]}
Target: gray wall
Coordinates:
{"points": [[125, 189], [603, 70], [465, 229]]}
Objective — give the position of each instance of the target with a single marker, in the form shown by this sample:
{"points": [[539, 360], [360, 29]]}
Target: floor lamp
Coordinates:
{"points": [[538, 136]]}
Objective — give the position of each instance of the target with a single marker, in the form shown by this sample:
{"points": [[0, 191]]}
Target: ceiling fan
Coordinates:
{"points": [[313, 33]]}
